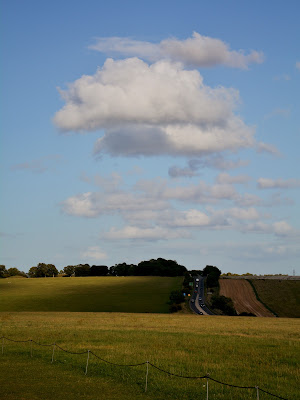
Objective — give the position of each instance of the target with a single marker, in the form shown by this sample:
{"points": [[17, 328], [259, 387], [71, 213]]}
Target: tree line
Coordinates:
{"points": [[153, 267], [6, 273]]}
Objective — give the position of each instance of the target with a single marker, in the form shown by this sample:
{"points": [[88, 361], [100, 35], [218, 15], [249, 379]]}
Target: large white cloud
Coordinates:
{"points": [[198, 51], [153, 109]]}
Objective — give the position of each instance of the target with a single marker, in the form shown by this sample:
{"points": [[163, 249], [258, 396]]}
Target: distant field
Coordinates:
{"points": [[89, 294], [282, 296], [237, 350], [243, 297]]}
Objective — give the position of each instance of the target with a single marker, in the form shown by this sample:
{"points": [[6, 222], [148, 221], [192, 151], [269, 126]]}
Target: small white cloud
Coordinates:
{"points": [[153, 233], [225, 178], [191, 218], [94, 253], [266, 183], [282, 228], [298, 65]]}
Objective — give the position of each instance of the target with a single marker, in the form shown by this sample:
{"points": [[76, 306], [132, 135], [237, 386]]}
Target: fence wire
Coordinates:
{"points": [[88, 352]]}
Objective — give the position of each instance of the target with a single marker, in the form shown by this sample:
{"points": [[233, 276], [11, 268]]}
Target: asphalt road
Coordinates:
{"points": [[197, 301]]}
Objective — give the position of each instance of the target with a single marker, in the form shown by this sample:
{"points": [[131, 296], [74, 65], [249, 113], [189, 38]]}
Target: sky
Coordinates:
{"points": [[132, 130]]}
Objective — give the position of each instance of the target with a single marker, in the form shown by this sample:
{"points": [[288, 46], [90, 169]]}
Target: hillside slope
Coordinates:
{"points": [[89, 294], [282, 296], [243, 297]]}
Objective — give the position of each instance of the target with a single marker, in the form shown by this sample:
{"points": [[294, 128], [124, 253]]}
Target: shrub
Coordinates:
{"points": [[224, 304]]}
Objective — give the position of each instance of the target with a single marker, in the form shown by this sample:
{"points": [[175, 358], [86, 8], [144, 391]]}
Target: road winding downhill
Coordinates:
{"points": [[197, 301]]}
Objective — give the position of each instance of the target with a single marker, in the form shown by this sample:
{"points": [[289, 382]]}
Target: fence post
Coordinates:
{"points": [[2, 345], [207, 375], [147, 370], [53, 353], [257, 392], [31, 348], [87, 362]]}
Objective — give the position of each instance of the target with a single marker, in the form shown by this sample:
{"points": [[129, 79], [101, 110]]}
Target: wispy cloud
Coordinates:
{"points": [[197, 51], [214, 161], [39, 165], [266, 183], [282, 77], [94, 253], [149, 209], [281, 112], [267, 148]]}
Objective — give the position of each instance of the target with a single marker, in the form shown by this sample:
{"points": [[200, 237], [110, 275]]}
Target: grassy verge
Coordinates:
{"points": [[241, 351], [90, 294]]}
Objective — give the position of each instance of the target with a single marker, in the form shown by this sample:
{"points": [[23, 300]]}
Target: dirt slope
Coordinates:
{"points": [[243, 297]]}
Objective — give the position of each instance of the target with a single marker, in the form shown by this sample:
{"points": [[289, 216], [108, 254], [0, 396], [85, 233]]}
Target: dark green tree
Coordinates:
{"points": [[123, 269], [15, 272], [99, 270], [32, 273], [69, 270], [82, 270], [224, 304], [43, 270], [3, 271], [212, 273]]}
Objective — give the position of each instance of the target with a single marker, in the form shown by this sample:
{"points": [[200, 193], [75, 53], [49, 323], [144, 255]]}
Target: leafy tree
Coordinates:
{"points": [[224, 304], [99, 270], [51, 270], [123, 269], [212, 273], [32, 272], [69, 270], [160, 267], [15, 272], [195, 272], [3, 271], [82, 270], [43, 270]]}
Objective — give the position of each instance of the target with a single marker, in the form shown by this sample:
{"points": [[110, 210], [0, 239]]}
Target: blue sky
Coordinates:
{"points": [[135, 130]]}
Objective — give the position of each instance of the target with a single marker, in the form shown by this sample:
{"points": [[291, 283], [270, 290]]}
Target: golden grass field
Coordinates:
{"points": [[242, 351]]}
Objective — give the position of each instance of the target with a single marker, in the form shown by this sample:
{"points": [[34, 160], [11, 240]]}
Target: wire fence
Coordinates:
{"points": [[207, 377]]}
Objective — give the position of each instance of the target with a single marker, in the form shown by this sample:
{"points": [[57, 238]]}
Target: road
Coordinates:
{"points": [[197, 301]]}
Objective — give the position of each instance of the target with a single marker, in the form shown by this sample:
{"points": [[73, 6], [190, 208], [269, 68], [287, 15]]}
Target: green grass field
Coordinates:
{"points": [[89, 294], [282, 296], [242, 351]]}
